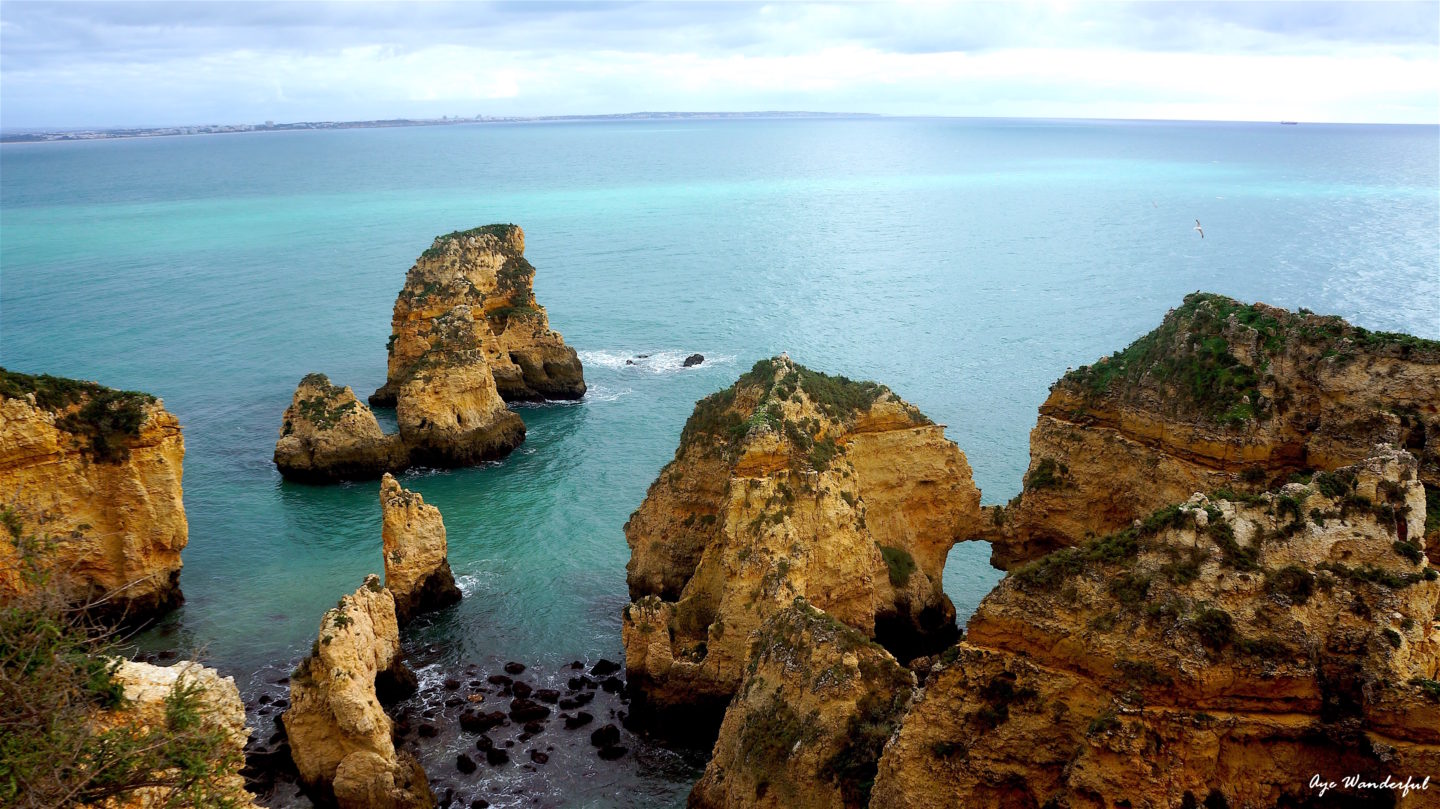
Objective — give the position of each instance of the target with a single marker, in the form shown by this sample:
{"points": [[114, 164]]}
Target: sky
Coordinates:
{"points": [[81, 64]]}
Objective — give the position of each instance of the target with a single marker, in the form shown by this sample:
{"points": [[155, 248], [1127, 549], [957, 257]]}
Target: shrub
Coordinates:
{"points": [[1047, 474], [1410, 551], [1215, 628], [1130, 589], [898, 563], [1293, 582]]}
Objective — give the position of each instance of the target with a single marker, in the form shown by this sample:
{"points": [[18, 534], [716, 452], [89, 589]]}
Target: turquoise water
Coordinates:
{"points": [[964, 263]]}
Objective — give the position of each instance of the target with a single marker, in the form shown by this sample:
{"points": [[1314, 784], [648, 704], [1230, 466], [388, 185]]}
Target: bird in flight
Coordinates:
{"points": [[1199, 229]]}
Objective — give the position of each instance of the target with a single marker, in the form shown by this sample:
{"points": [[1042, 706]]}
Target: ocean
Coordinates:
{"points": [[964, 263]]}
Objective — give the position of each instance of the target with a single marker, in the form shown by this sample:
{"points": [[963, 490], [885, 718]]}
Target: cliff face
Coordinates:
{"points": [[485, 270], [327, 434], [791, 483], [806, 729], [417, 572], [340, 737], [147, 689], [98, 472], [1218, 652], [1222, 395]]}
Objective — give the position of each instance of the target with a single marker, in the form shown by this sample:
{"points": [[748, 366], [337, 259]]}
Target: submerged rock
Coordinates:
{"points": [[340, 737], [327, 434], [96, 473], [1222, 395], [485, 271], [790, 483], [417, 571], [1216, 648]]}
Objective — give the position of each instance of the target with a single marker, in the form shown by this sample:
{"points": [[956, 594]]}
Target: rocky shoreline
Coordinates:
{"points": [[1220, 573]]}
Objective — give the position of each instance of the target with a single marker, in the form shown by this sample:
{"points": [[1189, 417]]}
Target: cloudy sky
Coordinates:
{"points": [[78, 64]]}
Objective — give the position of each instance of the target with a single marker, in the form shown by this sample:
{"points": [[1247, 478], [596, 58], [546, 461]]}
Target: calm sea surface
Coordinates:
{"points": [[964, 263]]}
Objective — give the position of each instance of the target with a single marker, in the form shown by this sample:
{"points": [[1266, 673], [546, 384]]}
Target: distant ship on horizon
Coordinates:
{"points": [[1290, 123]]}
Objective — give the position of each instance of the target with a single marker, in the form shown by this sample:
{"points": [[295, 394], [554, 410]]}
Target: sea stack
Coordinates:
{"points": [[791, 483], [1201, 657], [1222, 395], [340, 736], [96, 474], [327, 435], [485, 270], [417, 572]]}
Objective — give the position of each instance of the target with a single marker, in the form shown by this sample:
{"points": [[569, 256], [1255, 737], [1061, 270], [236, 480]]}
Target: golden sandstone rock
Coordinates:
{"points": [[1218, 647], [327, 434], [96, 472], [147, 689], [417, 572], [340, 736], [819, 699], [790, 483], [1221, 395]]}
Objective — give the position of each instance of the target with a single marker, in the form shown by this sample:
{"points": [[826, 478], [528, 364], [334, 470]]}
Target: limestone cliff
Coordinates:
{"points": [[147, 689], [1221, 395], [1220, 652], [485, 270], [95, 473], [327, 434], [806, 729], [340, 736], [417, 572], [790, 483]]}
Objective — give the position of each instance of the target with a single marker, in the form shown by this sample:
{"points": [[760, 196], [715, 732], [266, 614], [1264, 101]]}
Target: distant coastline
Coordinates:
{"points": [[39, 136]]}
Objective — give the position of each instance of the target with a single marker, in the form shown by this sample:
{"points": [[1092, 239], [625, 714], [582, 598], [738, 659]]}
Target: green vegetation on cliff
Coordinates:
{"points": [[106, 418], [56, 677], [499, 231], [1216, 354]]}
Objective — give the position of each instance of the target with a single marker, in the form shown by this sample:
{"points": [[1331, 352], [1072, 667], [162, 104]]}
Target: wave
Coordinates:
{"points": [[653, 362]]}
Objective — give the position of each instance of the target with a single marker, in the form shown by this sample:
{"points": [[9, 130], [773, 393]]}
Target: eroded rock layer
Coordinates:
{"points": [[417, 571], [1222, 395], [1218, 653], [93, 475], [327, 434], [790, 483], [340, 736], [485, 270], [806, 729], [148, 690]]}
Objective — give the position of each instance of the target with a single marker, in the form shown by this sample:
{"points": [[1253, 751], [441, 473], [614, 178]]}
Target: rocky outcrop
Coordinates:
{"points": [[148, 690], [1220, 652], [340, 736], [417, 572], [790, 483], [806, 729], [95, 475], [485, 271], [1222, 395], [327, 434], [449, 411]]}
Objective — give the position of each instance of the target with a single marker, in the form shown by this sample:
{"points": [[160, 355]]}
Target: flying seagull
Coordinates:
{"points": [[1199, 229]]}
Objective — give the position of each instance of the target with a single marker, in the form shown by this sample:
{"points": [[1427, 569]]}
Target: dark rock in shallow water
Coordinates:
{"points": [[612, 685], [451, 684], [577, 665], [479, 803], [429, 731], [465, 764], [605, 736], [579, 720], [693, 360], [612, 752], [527, 710], [484, 743], [453, 701], [499, 679], [570, 704], [549, 695], [514, 668], [520, 689], [496, 756], [534, 728], [629, 362], [604, 668], [539, 757]]}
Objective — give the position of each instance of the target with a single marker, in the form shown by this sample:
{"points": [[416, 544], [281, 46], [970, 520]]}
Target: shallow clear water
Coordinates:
{"points": [[964, 263]]}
